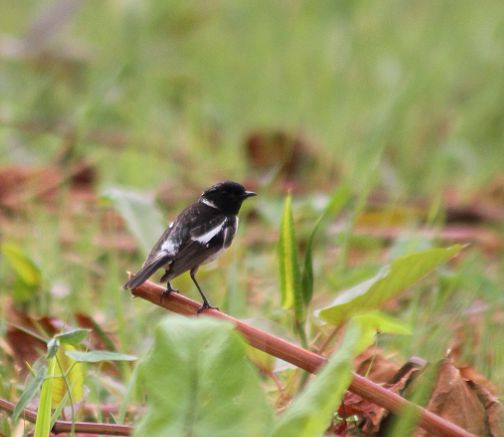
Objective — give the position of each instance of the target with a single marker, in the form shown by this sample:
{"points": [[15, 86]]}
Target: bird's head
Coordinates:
{"points": [[226, 196]]}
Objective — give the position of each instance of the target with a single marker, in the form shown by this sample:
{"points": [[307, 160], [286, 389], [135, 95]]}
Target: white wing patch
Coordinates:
{"points": [[207, 236], [170, 247]]}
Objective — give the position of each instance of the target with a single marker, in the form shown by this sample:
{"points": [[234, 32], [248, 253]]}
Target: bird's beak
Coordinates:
{"points": [[249, 194]]}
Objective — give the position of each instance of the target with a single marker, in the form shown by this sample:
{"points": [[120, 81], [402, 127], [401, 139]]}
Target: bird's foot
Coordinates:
{"points": [[169, 290], [206, 306]]}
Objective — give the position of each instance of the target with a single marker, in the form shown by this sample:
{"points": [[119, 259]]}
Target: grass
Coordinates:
{"points": [[415, 87]]}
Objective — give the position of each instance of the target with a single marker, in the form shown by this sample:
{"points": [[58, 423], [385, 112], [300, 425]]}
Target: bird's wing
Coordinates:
{"points": [[206, 231], [185, 240], [202, 242]]}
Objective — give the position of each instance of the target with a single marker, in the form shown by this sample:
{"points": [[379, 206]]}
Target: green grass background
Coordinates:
{"points": [[403, 96]]}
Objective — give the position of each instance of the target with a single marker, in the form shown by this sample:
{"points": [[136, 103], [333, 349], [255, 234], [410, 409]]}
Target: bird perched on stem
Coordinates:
{"points": [[197, 236]]}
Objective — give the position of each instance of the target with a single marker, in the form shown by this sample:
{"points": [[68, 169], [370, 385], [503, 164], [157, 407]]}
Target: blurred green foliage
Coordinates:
{"points": [[188, 80], [395, 97]]}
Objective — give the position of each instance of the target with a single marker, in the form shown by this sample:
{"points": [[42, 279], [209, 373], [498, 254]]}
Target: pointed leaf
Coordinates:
{"points": [[73, 337], [334, 205], [98, 356], [52, 347], [199, 383], [290, 274], [29, 392], [387, 283], [139, 211], [311, 413]]}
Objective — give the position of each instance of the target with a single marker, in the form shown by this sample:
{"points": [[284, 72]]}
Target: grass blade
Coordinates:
{"points": [[336, 202], [290, 274], [43, 422], [29, 392]]}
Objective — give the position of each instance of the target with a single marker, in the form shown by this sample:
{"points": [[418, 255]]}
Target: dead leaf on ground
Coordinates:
{"points": [[456, 400], [279, 154], [372, 415], [19, 185], [24, 336]]}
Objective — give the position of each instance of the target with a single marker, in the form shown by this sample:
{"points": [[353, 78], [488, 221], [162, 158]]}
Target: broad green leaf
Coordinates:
{"points": [[290, 274], [29, 392], [199, 383], [98, 356], [139, 211], [73, 337], [43, 422], [74, 374], [387, 283], [27, 274], [311, 412], [336, 202]]}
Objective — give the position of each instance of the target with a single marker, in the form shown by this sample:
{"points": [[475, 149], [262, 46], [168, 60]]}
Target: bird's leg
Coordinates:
{"points": [[206, 304], [169, 288]]}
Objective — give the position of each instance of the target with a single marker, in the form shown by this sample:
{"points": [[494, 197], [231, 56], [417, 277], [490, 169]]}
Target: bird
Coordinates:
{"points": [[198, 235]]}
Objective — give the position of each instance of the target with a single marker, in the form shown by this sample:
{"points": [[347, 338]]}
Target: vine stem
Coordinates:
{"points": [[65, 426]]}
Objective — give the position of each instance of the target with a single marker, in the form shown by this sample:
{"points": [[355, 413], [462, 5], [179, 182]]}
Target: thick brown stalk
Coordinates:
{"points": [[304, 359], [65, 426]]}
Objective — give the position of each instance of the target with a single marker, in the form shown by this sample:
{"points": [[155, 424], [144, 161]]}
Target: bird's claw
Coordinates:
{"points": [[168, 291], [206, 306]]}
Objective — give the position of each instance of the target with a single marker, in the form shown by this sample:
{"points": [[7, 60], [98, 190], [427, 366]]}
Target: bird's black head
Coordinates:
{"points": [[226, 196]]}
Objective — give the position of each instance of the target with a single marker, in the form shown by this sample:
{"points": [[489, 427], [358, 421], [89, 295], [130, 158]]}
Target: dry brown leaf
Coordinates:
{"points": [[18, 185], [372, 415], [278, 153], [374, 366], [27, 348], [454, 399], [494, 409]]}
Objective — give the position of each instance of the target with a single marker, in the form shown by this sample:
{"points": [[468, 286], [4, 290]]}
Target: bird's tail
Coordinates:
{"points": [[144, 273]]}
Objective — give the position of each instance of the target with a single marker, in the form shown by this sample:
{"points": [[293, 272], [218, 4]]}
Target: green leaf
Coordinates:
{"points": [[200, 383], [387, 283], [383, 323], [374, 322], [29, 392], [43, 422], [336, 202], [52, 347], [73, 337], [73, 372], [290, 274], [27, 273], [311, 413], [139, 211], [98, 356]]}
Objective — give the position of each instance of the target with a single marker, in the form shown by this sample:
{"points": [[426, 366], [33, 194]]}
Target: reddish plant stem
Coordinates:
{"points": [[303, 359], [65, 426]]}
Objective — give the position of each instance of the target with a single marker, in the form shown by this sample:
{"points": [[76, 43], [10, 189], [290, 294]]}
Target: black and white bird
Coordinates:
{"points": [[197, 236]]}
